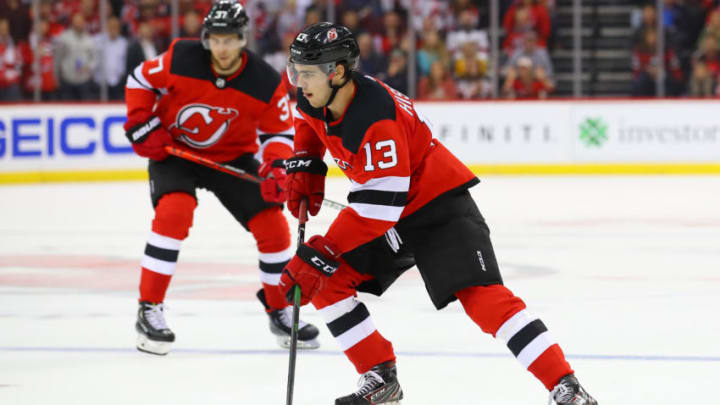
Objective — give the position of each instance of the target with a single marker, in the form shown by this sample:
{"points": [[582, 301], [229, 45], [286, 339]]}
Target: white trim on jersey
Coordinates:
{"points": [[137, 73], [270, 278], [158, 266], [389, 183], [374, 211], [535, 348], [299, 115], [164, 242], [277, 257]]}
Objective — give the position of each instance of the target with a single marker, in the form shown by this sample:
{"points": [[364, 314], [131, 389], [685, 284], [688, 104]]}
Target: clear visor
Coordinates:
{"points": [[304, 75]]}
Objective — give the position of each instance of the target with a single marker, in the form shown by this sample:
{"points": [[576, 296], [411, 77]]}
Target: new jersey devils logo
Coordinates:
{"points": [[201, 125], [332, 35]]}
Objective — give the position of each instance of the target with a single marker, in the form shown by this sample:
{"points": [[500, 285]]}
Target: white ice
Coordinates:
{"points": [[625, 271]]}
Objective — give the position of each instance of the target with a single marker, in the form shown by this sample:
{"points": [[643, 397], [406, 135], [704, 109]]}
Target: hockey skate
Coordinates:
{"points": [[378, 386], [154, 336], [569, 392], [281, 326]]}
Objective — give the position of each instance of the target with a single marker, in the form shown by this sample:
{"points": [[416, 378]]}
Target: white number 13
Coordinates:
{"points": [[389, 151]]}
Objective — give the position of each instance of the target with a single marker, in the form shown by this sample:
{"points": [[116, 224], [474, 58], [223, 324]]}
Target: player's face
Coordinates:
{"points": [[314, 84], [225, 51]]}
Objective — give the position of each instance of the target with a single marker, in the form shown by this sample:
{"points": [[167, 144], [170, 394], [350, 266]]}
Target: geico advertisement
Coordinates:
{"points": [[71, 136]]}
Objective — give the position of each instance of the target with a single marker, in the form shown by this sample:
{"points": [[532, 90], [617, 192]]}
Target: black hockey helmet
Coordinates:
{"points": [[224, 17], [324, 44]]}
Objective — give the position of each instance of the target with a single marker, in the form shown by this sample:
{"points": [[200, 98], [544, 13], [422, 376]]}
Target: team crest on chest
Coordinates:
{"points": [[202, 125]]}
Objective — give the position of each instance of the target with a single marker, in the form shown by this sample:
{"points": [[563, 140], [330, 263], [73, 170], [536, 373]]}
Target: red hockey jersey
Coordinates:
{"points": [[217, 117], [387, 151]]}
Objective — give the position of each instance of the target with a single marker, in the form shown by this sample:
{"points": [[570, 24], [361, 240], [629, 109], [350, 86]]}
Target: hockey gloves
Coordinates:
{"points": [[273, 187], [305, 179], [149, 138], [310, 268]]}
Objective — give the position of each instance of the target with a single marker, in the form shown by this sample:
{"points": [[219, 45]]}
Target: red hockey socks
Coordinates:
{"points": [[498, 312], [172, 222], [272, 234]]}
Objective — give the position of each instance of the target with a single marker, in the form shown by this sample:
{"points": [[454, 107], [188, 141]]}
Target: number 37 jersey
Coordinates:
{"points": [[387, 151], [217, 117]]}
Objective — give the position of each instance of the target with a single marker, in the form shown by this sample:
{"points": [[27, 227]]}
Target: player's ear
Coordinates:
{"points": [[339, 75]]}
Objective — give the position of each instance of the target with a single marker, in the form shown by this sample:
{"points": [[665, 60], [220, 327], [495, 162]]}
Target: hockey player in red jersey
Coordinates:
{"points": [[404, 179], [218, 100]]}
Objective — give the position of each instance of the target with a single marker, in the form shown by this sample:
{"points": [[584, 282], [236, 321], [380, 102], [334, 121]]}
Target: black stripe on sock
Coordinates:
{"points": [[273, 268], [167, 255], [525, 335], [349, 320], [379, 197]]}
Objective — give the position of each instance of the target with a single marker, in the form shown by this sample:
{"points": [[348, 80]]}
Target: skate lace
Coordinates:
{"points": [[154, 316], [286, 316], [368, 382], [562, 393]]}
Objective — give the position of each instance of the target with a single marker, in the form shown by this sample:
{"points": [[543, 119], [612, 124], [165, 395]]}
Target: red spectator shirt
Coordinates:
{"points": [[219, 118], [388, 152], [528, 91], [539, 20], [10, 65], [46, 77]]}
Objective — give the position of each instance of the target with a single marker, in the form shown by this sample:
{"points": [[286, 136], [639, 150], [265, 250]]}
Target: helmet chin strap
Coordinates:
{"points": [[334, 88]]}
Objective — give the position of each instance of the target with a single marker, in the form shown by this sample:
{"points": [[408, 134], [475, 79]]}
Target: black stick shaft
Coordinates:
{"points": [[302, 214]]}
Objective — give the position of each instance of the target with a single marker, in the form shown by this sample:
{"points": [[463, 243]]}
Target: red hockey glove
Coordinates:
{"points": [[273, 187], [149, 138], [305, 179], [310, 268]]}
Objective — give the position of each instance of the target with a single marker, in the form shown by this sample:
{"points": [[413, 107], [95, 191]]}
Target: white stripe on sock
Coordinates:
{"points": [[535, 348], [355, 334], [338, 309], [277, 257], [513, 325], [270, 278], [158, 266], [164, 242]]}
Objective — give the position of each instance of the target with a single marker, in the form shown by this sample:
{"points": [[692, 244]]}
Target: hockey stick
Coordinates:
{"points": [[231, 170], [302, 218], [391, 236]]}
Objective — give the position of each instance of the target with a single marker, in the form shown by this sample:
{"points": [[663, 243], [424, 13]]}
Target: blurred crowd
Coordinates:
{"points": [[692, 48], [64, 50]]}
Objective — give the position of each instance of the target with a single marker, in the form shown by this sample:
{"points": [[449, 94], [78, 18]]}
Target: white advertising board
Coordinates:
{"points": [[60, 137]]}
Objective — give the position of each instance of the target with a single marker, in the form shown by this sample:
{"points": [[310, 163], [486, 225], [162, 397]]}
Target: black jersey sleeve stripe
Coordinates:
{"points": [[132, 75], [378, 197], [265, 137]]}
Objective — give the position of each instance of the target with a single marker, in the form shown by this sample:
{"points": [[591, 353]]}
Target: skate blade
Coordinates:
{"points": [[152, 346], [285, 341]]}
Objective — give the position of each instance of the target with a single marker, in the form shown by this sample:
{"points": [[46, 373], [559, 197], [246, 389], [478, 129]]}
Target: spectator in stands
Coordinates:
{"points": [[471, 75], [370, 62], [467, 31], [112, 54], [397, 71], [645, 68], [10, 64], [45, 13], [705, 69], [712, 28], [438, 85], [76, 60], [539, 56], [393, 32], [526, 81], [41, 74], [433, 49], [142, 48], [89, 10], [524, 16], [191, 25], [351, 20], [17, 12]]}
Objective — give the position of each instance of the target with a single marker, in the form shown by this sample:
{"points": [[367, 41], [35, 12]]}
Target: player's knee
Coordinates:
{"points": [[270, 230], [489, 306], [174, 215]]}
